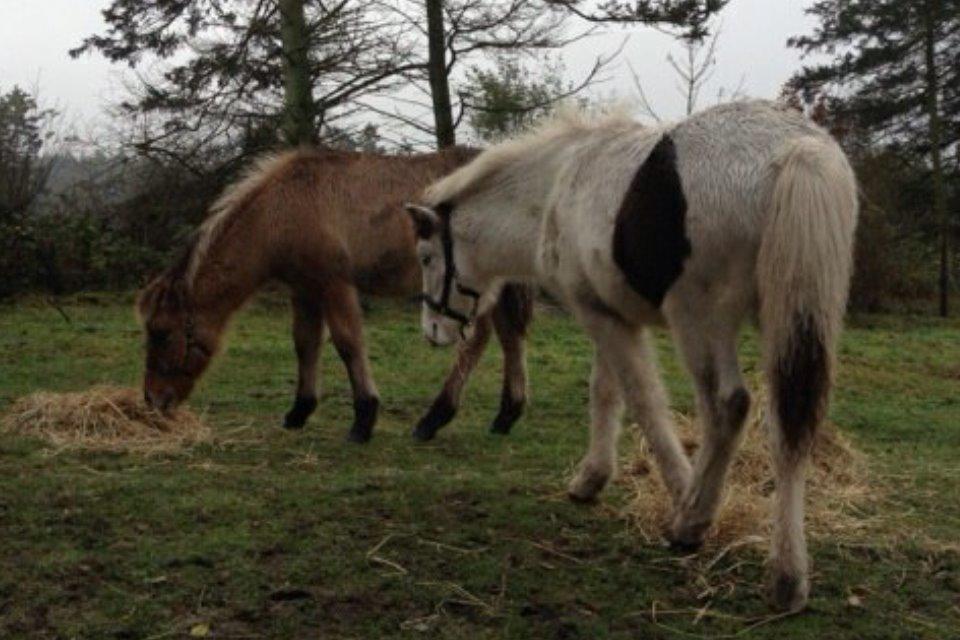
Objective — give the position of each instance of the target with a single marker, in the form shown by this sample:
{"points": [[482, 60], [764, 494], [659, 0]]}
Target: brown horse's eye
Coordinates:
{"points": [[159, 338], [199, 350]]}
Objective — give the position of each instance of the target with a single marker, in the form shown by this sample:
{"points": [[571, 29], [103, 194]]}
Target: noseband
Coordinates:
{"points": [[450, 281], [190, 342]]}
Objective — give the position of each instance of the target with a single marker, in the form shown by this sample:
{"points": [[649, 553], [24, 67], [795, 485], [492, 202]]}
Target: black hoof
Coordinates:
{"points": [[510, 412], [441, 412], [583, 500], [360, 435], [424, 432], [365, 416], [500, 426], [297, 416], [685, 547]]}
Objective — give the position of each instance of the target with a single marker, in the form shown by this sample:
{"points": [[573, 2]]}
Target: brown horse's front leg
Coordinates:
{"points": [[341, 310], [307, 338], [445, 406]]}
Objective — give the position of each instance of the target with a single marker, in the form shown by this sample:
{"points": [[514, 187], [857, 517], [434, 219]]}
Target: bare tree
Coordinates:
{"points": [[694, 71], [444, 35]]}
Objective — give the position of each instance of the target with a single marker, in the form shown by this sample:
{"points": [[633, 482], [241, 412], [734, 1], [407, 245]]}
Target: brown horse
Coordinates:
{"points": [[330, 225]]}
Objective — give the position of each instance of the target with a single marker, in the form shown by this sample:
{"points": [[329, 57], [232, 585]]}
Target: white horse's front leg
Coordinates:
{"points": [[606, 408]]}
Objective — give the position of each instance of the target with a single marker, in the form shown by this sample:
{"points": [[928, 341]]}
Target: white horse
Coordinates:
{"points": [[744, 210]]}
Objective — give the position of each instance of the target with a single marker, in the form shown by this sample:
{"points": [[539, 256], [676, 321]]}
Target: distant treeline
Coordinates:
{"points": [[109, 222], [883, 79]]}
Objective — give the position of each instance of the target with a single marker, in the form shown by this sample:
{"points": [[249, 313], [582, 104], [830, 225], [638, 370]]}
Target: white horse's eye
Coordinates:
{"points": [[426, 260]]}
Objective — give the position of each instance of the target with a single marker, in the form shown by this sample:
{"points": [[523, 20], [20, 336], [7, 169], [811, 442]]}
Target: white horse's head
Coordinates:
{"points": [[453, 290]]}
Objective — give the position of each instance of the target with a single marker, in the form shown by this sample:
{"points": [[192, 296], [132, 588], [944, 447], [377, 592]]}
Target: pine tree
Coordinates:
{"points": [[894, 70], [511, 97], [233, 74]]}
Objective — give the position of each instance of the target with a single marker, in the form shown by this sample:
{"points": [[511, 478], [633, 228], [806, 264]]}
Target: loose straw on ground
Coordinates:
{"points": [[103, 419], [839, 486]]}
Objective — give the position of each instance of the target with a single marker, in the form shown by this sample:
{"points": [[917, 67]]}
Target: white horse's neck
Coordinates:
{"points": [[502, 222]]}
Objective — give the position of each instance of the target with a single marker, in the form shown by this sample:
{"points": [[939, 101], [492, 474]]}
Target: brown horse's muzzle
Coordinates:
{"points": [[165, 393]]}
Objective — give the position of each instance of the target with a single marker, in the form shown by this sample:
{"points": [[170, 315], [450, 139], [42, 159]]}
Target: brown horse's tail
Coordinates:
{"points": [[516, 305]]}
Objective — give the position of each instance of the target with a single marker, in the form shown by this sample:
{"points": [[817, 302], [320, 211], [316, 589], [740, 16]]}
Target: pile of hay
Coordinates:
{"points": [[103, 419], [839, 487]]}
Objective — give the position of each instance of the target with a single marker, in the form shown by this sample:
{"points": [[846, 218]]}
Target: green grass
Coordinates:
{"points": [[301, 535]]}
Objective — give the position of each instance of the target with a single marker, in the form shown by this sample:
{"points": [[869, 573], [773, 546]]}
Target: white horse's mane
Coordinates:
{"points": [[565, 122]]}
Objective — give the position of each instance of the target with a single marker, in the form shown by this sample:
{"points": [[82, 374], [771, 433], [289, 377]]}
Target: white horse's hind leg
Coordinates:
{"points": [[606, 409], [790, 583], [708, 344], [626, 351]]}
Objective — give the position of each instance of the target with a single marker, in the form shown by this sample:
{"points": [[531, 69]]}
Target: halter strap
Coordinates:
{"points": [[450, 281], [189, 339]]}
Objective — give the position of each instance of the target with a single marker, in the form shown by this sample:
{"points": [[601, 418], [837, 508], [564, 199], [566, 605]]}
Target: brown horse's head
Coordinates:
{"points": [[180, 343]]}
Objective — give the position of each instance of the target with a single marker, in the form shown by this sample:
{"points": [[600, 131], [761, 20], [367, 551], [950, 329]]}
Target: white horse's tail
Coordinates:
{"points": [[804, 269]]}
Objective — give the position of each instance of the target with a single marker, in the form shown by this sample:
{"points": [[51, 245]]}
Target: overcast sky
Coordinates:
{"points": [[36, 34]]}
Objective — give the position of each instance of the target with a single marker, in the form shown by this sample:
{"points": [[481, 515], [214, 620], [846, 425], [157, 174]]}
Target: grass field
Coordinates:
{"points": [[270, 534]]}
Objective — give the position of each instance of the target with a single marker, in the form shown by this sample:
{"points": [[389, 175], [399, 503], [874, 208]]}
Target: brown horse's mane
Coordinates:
{"points": [[264, 171]]}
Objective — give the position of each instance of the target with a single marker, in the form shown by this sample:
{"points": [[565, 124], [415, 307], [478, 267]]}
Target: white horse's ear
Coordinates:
{"points": [[425, 220]]}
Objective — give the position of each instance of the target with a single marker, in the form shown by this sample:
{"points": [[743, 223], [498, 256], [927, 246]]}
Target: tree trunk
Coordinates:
{"points": [[439, 77], [298, 108], [931, 13]]}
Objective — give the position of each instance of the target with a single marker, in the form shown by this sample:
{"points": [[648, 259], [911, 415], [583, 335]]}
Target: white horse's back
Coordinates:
{"points": [[727, 161]]}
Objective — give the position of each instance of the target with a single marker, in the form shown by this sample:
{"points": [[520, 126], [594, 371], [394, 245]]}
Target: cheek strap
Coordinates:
{"points": [[450, 281]]}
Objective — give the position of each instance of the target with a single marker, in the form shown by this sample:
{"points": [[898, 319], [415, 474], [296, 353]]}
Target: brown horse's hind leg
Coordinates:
{"points": [[341, 310], [307, 338], [445, 406], [511, 332]]}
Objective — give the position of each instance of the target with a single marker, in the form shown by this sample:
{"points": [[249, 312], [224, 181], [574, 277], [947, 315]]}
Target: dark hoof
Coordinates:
{"points": [[294, 422], [501, 427], [440, 414], [297, 416], [510, 412], [685, 547], [588, 484], [424, 432], [788, 593], [584, 500], [365, 416], [685, 537], [360, 435]]}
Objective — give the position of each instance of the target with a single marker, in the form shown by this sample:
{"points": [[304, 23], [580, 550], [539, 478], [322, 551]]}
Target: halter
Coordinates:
{"points": [[190, 341], [450, 281]]}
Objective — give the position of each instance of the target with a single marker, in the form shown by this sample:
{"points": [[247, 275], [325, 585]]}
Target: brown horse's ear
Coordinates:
{"points": [[425, 220]]}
